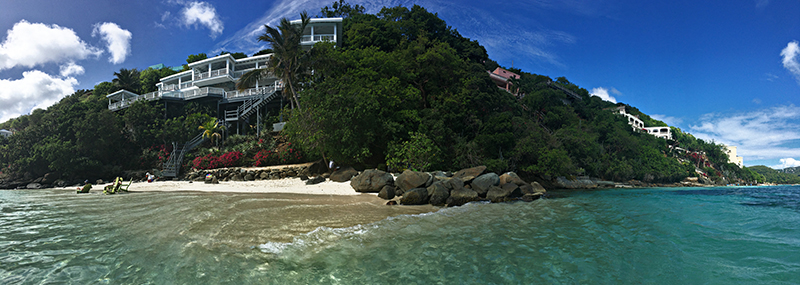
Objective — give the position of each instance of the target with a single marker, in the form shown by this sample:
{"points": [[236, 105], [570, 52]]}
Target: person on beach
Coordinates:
{"points": [[86, 187]]}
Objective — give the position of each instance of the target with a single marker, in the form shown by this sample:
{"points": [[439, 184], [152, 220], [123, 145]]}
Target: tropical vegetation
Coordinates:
{"points": [[403, 91]]}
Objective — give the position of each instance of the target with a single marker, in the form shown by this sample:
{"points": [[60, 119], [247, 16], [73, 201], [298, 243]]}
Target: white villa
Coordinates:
{"points": [[660, 132], [634, 121], [733, 157], [638, 125], [5, 133], [213, 80]]}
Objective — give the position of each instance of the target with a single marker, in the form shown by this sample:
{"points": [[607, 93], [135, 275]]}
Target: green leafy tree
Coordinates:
{"points": [[127, 79], [418, 153], [196, 57], [341, 9], [212, 129]]}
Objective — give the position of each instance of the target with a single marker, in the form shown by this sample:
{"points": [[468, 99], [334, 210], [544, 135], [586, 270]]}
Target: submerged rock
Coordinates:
{"points": [[461, 196]]}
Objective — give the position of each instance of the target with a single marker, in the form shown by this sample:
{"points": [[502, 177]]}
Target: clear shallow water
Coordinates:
{"points": [[641, 236]]}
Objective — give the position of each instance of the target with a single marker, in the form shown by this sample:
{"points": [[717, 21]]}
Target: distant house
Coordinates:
{"points": [[5, 133], [732, 155], [634, 121], [321, 30], [660, 132], [502, 78], [638, 125]]}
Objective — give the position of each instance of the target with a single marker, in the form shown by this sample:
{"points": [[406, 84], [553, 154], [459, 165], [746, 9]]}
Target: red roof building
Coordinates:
{"points": [[501, 78]]}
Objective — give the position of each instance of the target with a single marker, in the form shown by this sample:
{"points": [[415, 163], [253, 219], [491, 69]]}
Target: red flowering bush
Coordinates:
{"points": [[211, 161], [154, 156], [270, 157]]}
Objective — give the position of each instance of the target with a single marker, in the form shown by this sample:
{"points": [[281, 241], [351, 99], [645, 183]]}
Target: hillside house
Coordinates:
{"points": [[502, 78], [733, 157]]}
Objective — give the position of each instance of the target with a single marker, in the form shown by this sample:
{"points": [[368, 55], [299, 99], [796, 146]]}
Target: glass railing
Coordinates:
{"points": [[213, 73], [318, 38]]}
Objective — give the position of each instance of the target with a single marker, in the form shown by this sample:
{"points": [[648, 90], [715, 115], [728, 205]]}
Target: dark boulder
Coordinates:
{"points": [[343, 174], [532, 188], [371, 181], [317, 167], [468, 174], [315, 180], [531, 197], [249, 177], [453, 183], [50, 178], [416, 196], [507, 192], [511, 177], [461, 196], [387, 192], [482, 183], [438, 194], [413, 179]]}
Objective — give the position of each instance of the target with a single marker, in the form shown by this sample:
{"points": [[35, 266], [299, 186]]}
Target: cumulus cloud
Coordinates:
{"points": [[790, 60], [71, 69], [30, 44], [202, 13], [669, 120], [35, 90], [603, 93], [771, 133], [787, 162], [118, 40]]}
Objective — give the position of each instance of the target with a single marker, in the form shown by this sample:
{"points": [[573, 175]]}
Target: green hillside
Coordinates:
{"points": [[404, 91]]}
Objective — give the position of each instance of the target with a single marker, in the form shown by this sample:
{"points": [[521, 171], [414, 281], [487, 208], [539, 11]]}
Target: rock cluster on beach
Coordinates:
{"points": [[244, 174], [444, 189]]}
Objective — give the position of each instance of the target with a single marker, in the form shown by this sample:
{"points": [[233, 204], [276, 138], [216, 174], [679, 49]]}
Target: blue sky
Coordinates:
{"points": [[727, 71]]}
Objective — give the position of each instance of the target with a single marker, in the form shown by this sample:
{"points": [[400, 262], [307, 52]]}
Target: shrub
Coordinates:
{"points": [[211, 161]]}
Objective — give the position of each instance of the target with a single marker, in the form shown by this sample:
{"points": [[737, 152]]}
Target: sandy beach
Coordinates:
{"points": [[286, 186]]}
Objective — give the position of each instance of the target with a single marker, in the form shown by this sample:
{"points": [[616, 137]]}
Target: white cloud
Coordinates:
{"points": [[764, 134], [35, 90], [787, 162], [790, 59], [603, 94], [70, 69], [528, 42], [202, 13], [669, 120], [30, 44], [118, 40]]}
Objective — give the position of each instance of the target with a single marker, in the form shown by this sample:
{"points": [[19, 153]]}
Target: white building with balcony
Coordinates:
{"points": [[321, 30], [733, 157], [660, 132]]}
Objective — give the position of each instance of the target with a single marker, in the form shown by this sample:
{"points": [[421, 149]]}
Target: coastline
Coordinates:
{"points": [[278, 186]]}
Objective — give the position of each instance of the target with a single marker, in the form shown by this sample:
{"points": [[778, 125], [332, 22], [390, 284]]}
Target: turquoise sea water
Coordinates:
{"points": [[730, 235]]}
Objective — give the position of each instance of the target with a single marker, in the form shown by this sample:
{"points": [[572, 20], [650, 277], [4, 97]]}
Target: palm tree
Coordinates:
{"points": [[127, 79], [287, 60], [211, 129]]}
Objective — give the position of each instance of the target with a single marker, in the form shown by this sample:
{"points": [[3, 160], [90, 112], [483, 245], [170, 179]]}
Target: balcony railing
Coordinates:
{"points": [[171, 87], [250, 92], [214, 73], [318, 38], [186, 85]]}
